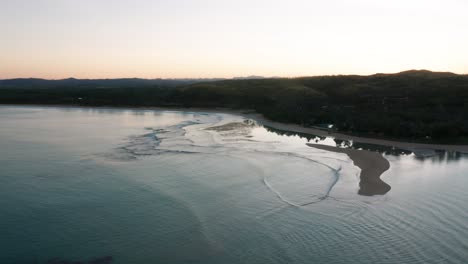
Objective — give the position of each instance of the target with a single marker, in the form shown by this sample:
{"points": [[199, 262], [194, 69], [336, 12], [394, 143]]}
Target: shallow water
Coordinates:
{"points": [[137, 186]]}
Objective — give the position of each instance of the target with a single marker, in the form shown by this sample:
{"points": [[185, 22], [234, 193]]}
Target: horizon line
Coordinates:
{"points": [[235, 77]]}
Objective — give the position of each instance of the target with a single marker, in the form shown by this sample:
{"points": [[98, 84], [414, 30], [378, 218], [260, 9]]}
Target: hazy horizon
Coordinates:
{"points": [[54, 39], [252, 76]]}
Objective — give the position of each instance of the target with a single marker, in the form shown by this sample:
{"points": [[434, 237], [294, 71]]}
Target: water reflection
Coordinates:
{"points": [[417, 154]]}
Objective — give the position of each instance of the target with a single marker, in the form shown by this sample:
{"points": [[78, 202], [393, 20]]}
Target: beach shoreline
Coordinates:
{"points": [[376, 141]]}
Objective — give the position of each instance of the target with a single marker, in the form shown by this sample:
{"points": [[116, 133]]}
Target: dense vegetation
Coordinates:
{"points": [[413, 105]]}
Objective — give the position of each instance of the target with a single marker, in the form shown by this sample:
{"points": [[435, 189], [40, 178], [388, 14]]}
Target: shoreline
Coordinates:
{"points": [[259, 118], [375, 141], [372, 165]]}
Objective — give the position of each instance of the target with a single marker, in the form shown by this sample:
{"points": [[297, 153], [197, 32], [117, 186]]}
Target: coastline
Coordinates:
{"points": [[383, 142], [259, 118], [372, 165]]}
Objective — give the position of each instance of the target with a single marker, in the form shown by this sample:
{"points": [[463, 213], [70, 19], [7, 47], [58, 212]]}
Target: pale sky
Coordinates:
{"points": [[216, 38]]}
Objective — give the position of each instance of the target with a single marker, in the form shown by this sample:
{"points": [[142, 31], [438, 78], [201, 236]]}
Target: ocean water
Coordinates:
{"points": [[103, 185]]}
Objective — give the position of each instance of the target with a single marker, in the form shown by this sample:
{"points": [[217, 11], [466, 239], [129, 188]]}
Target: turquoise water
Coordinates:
{"points": [[95, 185]]}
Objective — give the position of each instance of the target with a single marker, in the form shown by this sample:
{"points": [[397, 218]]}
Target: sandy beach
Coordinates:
{"points": [[372, 165], [398, 144]]}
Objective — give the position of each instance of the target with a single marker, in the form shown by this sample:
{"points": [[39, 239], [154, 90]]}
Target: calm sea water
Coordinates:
{"points": [[88, 185]]}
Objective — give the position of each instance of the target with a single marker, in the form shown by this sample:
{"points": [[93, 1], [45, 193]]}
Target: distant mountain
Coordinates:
{"points": [[98, 83], [421, 74], [137, 82], [251, 77]]}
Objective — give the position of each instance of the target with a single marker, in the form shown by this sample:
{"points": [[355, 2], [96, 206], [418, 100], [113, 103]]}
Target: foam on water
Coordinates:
{"points": [[281, 165]]}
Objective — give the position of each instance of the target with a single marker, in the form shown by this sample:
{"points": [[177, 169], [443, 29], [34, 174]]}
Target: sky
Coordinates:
{"points": [[56, 39]]}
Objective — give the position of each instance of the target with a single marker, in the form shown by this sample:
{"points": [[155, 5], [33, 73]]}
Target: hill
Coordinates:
{"points": [[96, 83]]}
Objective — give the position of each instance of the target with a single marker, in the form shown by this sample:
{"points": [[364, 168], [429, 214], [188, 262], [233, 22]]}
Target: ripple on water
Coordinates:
{"points": [[301, 180]]}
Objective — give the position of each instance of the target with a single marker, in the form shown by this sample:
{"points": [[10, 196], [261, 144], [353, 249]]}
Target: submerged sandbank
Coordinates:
{"points": [[372, 165]]}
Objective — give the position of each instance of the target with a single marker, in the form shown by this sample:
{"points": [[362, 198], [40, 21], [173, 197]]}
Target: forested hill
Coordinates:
{"points": [[96, 83], [412, 105]]}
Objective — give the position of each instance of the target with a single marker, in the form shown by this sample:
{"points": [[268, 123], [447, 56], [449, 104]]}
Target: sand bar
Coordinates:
{"points": [[372, 165]]}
